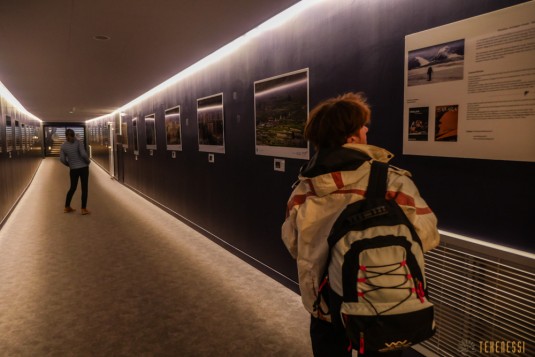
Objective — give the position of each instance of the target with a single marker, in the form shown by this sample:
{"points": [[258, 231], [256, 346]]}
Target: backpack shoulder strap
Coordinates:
{"points": [[377, 181]]}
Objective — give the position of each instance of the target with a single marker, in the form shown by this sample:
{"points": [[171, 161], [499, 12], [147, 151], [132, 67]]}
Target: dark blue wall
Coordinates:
{"points": [[240, 200]]}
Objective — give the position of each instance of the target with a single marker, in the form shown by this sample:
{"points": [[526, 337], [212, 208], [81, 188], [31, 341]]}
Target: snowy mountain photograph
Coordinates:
{"points": [[438, 63]]}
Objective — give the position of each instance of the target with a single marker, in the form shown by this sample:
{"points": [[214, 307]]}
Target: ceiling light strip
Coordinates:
{"points": [[274, 22]]}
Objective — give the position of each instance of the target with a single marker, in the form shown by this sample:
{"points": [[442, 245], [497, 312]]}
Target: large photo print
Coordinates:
{"points": [[281, 110], [210, 119], [434, 64], [172, 129], [469, 87], [150, 130]]}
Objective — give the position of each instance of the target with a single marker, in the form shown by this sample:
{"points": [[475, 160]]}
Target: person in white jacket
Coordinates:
{"points": [[337, 175]]}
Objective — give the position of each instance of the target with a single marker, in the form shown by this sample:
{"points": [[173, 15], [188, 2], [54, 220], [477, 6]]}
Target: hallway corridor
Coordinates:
{"points": [[130, 280]]}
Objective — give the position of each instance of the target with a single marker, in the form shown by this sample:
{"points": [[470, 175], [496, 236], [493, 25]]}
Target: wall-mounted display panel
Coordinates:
{"points": [[281, 111], [9, 134], [23, 134], [469, 88], [210, 119], [124, 133], [106, 132], [32, 130], [150, 131], [135, 136], [18, 135], [100, 134], [173, 132]]}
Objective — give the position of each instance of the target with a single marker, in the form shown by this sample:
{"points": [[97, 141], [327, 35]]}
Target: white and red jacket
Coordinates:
{"points": [[331, 180]]}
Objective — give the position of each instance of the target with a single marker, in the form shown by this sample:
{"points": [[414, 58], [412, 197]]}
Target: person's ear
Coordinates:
{"points": [[353, 139]]}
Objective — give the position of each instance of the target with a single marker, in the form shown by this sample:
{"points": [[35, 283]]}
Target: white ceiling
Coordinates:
{"points": [[50, 61]]}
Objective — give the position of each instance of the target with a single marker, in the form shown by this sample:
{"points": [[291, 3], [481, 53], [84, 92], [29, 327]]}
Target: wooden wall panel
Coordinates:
{"points": [[17, 167]]}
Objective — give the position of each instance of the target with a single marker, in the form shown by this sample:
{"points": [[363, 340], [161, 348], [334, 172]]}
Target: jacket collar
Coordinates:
{"points": [[345, 158]]}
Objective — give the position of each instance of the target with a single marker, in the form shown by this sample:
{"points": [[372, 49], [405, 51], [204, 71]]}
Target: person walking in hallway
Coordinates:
{"points": [[73, 155]]}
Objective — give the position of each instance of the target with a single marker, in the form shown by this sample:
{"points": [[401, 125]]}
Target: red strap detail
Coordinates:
{"points": [[420, 292], [311, 186], [409, 276], [360, 294], [295, 201], [362, 267], [323, 283], [361, 349], [337, 178], [403, 263], [361, 280]]}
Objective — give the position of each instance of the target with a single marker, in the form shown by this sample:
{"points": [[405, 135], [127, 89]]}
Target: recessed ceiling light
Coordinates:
{"points": [[101, 38]]}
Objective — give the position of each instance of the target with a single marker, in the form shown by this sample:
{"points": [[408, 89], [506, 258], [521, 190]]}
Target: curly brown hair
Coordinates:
{"points": [[332, 121]]}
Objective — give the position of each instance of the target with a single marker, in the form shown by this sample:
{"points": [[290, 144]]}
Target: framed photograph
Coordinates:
{"points": [[418, 124], [124, 133], [443, 62], [135, 138], [281, 111], [150, 131], [173, 133], [446, 122], [210, 119]]}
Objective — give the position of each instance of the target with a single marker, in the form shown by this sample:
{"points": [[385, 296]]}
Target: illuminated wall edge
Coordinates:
{"points": [[491, 246], [221, 53], [6, 94]]}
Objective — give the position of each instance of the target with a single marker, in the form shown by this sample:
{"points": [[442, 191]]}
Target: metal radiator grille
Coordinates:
{"points": [[484, 300]]}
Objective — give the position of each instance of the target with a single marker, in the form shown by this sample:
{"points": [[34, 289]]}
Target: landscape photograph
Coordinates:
{"points": [[210, 120], [172, 128], [281, 109]]}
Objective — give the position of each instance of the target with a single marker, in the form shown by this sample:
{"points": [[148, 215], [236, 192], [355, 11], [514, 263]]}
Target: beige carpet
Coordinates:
{"points": [[131, 280]]}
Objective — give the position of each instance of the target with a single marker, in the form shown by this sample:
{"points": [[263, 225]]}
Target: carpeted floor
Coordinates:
{"points": [[131, 280]]}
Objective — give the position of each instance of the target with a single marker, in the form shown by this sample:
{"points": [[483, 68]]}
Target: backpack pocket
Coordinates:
{"points": [[388, 332]]}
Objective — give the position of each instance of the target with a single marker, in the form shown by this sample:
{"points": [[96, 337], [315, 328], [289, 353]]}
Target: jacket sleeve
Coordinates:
{"points": [[62, 157], [83, 153], [305, 233], [289, 232], [404, 191]]}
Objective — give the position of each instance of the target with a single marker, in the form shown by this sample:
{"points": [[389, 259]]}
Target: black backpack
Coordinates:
{"points": [[378, 289]]}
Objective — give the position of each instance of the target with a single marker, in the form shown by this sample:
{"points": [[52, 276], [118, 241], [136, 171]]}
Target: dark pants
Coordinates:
{"points": [[329, 340], [83, 175]]}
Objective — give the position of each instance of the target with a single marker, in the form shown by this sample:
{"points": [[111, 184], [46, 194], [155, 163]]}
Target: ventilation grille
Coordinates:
{"points": [[483, 297]]}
